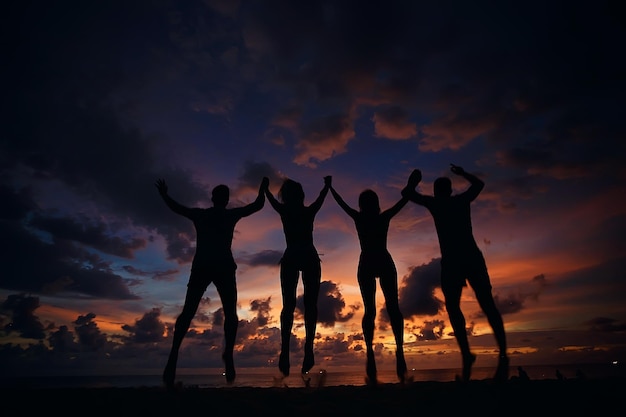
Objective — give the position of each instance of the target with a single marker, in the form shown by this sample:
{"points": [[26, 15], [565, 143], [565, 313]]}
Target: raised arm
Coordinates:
{"points": [[409, 192], [351, 212], [176, 207], [259, 202], [395, 209], [270, 197], [476, 184], [317, 204]]}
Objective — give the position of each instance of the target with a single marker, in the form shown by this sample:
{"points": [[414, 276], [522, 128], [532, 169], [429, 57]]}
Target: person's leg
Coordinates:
{"points": [[452, 283], [481, 284], [367, 285], [488, 305], [227, 290], [311, 278], [288, 285], [389, 286], [452, 297], [192, 300]]}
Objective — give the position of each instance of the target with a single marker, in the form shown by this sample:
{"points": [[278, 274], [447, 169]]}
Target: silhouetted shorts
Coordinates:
{"points": [[223, 276], [301, 258], [376, 264], [456, 272]]}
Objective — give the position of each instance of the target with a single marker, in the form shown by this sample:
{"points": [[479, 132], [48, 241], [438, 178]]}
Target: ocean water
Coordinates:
{"points": [[267, 377]]}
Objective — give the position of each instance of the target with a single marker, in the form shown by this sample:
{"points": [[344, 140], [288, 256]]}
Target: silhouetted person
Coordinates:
{"points": [[375, 261], [560, 376], [213, 262], [522, 375], [300, 255], [461, 261]]}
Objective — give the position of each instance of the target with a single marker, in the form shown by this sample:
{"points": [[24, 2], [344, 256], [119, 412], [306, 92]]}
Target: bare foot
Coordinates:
{"points": [[371, 382], [169, 374], [372, 373], [283, 363], [230, 367], [502, 372], [309, 361], [468, 361], [400, 367]]}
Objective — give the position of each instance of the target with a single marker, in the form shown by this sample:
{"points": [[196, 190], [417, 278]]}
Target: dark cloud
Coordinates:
{"points": [[416, 292], [429, 330], [203, 315], [148, 341], [63, 340], [87, 232], [268, 257], [89, 335], [323, 138], [148, 328], [334, 346], [330, 305], [218, 318], [254, 172], [606, 324], [135, 271], [514, 302], [394, 123], [36, 266], [167, 275], [22, 320], [262, 310]]}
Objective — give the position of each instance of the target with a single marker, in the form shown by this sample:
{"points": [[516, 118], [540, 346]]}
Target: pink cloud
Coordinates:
{"points": [[326, 137], [394, 123], [452, 133]]}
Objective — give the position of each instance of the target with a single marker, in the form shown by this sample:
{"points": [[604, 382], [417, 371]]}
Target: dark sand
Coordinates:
{"points": [[593, 397]]}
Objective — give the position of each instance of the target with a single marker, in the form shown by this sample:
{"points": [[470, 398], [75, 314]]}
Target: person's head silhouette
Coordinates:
{"points": [[368, 202], [291, 192], [442, 187], [220, 196]]}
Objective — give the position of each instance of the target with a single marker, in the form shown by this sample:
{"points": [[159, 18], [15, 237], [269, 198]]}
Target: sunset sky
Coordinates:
{"points": [[102, 98]]}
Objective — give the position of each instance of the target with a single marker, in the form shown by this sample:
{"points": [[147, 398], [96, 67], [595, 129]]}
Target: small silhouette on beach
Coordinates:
{"points": [[522, 375]]}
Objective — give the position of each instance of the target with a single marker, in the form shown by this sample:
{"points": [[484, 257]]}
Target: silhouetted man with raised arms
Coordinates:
{"points": [[212, 262], [461, 260]]}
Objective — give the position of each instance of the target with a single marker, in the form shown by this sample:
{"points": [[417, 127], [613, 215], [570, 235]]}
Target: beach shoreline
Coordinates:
{"points": [[486, 397]]}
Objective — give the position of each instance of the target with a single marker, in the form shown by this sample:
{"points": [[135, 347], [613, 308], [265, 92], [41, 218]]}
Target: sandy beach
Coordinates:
{"points": [[485, 398]]}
